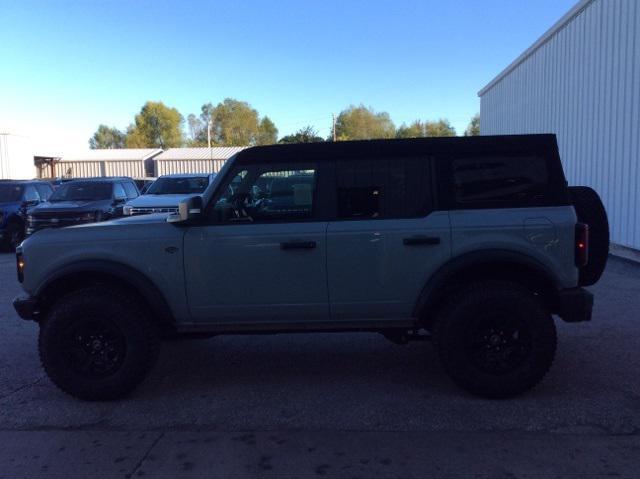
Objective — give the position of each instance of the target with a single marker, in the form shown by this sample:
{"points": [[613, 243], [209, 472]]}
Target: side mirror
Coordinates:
{"points": [[188, 209]]}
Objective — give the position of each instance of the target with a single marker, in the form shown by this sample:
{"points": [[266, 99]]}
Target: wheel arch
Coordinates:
{"points": [[81, 274], [485, 265]]}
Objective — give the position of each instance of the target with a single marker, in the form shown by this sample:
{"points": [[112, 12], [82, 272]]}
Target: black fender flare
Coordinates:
{"points": [[127, 277], [528, 267]]}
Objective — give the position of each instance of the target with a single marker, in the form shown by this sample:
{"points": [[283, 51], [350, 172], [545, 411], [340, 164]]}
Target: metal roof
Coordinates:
{"points": [[559, 25], [187, 175], [213, 153], [115, 154]]}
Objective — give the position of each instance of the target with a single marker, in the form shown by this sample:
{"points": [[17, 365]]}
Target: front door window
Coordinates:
{"points": [[268, 193]]}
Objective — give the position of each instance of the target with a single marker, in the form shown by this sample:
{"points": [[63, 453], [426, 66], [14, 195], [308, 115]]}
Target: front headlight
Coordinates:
{"points": [[127, 210]]}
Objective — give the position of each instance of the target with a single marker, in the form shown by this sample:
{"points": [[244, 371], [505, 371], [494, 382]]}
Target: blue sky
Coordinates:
{"points": [[65, 67]]}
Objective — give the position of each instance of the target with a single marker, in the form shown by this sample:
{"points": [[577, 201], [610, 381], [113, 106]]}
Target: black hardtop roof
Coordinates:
{"points": [[403, 147]]}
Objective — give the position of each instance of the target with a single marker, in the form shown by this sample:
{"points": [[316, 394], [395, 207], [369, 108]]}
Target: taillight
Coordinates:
{"points": [[582, 244]]}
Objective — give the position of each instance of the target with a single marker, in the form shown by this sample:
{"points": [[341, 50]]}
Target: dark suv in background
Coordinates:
{"points": [[15, 197], [82, 201]]}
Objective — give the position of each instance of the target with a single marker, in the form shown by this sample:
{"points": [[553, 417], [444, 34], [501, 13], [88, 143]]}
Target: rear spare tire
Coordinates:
{"points": [[590, 210], [97, 343], [495, 339]]}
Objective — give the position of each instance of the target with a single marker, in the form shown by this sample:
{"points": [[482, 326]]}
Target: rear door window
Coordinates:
{"points": [[379, 188], [500, 181]]}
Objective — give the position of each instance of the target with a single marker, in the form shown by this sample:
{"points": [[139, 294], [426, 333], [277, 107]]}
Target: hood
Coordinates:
{"points": [[67, 206], [159, 201], [126, 220]]}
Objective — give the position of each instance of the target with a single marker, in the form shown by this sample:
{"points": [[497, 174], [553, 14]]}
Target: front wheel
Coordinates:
{"points": [[15, 235], [97, 343], [495, 339]]}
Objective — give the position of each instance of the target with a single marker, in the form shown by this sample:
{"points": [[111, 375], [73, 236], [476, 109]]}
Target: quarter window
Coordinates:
{"points": [[512, 181], [383, 188]]}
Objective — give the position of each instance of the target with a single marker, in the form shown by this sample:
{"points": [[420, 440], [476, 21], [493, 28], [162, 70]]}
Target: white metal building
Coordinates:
{"points": [[105, 162], [581, 80], [16, 158], [194, 160]]}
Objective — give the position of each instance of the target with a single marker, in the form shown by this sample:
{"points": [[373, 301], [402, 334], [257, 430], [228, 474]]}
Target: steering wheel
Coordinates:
{"points": [[240, 203]]}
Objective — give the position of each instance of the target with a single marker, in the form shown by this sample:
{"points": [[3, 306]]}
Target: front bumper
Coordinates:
{"points": [[575, 305], [26, 307]]}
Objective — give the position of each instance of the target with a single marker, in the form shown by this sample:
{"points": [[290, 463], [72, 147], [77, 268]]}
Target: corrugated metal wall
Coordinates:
{"points": [[167, 167], [85, 169], [79, 169], [132, 168], [584, 85]]}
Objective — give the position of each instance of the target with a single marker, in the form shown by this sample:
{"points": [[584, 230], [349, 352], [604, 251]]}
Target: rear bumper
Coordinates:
{"points": [[26, 307], [575, 305]]}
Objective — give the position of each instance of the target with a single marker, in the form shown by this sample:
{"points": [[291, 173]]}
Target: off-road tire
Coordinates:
{"points": [[117, 310], [590, 210], [461, 315]]}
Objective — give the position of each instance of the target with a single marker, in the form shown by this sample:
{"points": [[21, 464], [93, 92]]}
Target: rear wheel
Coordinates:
{"points": [[97, 343], [495, 339], [590, 210]]}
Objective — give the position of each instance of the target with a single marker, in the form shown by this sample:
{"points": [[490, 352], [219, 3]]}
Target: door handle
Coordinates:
{"points": [[298, 245], [421, 240]]}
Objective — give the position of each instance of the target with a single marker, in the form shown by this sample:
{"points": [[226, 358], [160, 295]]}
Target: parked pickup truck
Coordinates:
{"points": [[473, 242], [165, 193]]}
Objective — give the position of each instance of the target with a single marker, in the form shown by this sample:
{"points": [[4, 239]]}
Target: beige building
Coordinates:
{"points": [[193, 160], [133, 162]]}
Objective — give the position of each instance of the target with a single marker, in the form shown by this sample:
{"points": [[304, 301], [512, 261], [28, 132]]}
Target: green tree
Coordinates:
{"points": [[474, 126], [419, 129], [415, 130], [304, 135], [195, 128], [267, 132], [362, 123], [234, 123], [441, 127], [107, 137], [156, 126]]}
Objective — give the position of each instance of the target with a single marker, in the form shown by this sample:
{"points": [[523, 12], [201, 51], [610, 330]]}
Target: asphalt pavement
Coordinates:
{"points": [[331, 405]]}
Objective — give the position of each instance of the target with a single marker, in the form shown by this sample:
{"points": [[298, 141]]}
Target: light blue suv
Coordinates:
{"points": [[473, 242]]}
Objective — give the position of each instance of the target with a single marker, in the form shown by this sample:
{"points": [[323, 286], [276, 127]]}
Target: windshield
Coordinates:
{"points": [[82, 191], [178, 186], [10, 193]]}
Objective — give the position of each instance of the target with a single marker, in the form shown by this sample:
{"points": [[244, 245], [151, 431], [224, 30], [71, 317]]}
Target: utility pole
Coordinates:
{"points": [[333, 129], [209, 133]]}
